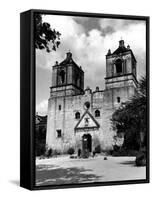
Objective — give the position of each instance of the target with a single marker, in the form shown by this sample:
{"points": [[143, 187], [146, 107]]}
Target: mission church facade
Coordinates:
{"points": [[80, 118]]}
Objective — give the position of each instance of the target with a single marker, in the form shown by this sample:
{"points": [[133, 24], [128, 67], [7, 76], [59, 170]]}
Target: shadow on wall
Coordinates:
{"points": [[48, 175]]}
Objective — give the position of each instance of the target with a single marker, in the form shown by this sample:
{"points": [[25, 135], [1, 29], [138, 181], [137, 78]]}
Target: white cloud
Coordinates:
{"points": [[64, 24], [41, 108]]}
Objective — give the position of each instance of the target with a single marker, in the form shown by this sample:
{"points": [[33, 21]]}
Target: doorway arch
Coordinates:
{"points": [[87, 142]]}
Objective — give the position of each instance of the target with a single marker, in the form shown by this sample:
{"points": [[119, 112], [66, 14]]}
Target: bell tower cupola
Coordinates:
{"points": [[67, 78], [121, 67]]}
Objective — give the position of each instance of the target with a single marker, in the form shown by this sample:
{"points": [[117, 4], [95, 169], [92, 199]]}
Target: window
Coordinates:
{"points": [[118, 64], [62, 76], [77, 115], [87, 105], [59, 107], [59, 133], [118, 99], [97, 113]]}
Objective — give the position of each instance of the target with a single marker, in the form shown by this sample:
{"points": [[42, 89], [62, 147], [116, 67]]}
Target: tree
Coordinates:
{"points": [[40, 141], [44, 35], [130, 119]]}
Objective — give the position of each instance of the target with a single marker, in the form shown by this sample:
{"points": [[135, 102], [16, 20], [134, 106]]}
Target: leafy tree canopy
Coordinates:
{"points": [[44, 35], [130, 118]]}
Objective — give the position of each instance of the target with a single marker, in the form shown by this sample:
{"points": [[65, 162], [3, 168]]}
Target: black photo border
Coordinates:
{"points": [[28, 100]]}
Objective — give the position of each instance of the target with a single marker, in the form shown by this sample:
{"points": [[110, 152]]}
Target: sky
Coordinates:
{"points": [[88, 39]]}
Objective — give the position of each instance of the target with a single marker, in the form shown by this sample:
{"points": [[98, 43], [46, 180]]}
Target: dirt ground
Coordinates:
{"points": [[63, 170]]}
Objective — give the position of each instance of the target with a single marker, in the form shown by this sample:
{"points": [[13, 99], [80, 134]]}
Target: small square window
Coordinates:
{"points": [[59, 107], [118, 99], [59, 133]]}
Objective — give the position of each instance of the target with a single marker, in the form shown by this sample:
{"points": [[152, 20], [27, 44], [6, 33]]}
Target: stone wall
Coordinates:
{"points": [[69, 97], [64, 120]]}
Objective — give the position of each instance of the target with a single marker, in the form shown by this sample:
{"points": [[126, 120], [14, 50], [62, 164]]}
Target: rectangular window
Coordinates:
{"points": [[118, 99], [59, 133], [59, 107]]}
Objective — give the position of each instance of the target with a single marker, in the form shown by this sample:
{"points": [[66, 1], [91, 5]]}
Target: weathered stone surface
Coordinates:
{"points": [[69, 97]]}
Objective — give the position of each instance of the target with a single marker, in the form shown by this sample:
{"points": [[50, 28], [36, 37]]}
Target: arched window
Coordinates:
{"points": [[97, 113], [62, 76], [77, 115], [118, 64]]}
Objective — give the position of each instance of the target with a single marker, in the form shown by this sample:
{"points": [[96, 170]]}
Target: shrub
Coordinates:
{"points": [[56, 152], [116, 148], [111, 152], [98, 149], [124, 152], [132, 152], [120, 152], [49, 152], [70, 151], [140, 159], [107, 152], [40, 149]]}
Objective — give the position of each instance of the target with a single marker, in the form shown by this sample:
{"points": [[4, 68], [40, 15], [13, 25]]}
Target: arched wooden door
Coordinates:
{"points": [[87, 142]]}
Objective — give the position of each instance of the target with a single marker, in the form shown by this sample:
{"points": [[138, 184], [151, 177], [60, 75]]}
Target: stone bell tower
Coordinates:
{"points": [[121, 73], [67, 85], [67, 78]]}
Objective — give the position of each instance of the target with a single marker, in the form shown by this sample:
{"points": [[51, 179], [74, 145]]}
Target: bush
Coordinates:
{"points": [[107, 152], [111, 152], [116, 148], [120, 152], [140, 159], [98, 149], [117, 151], [49, 152], [40, 149], [70, 151], [56, 152]]}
